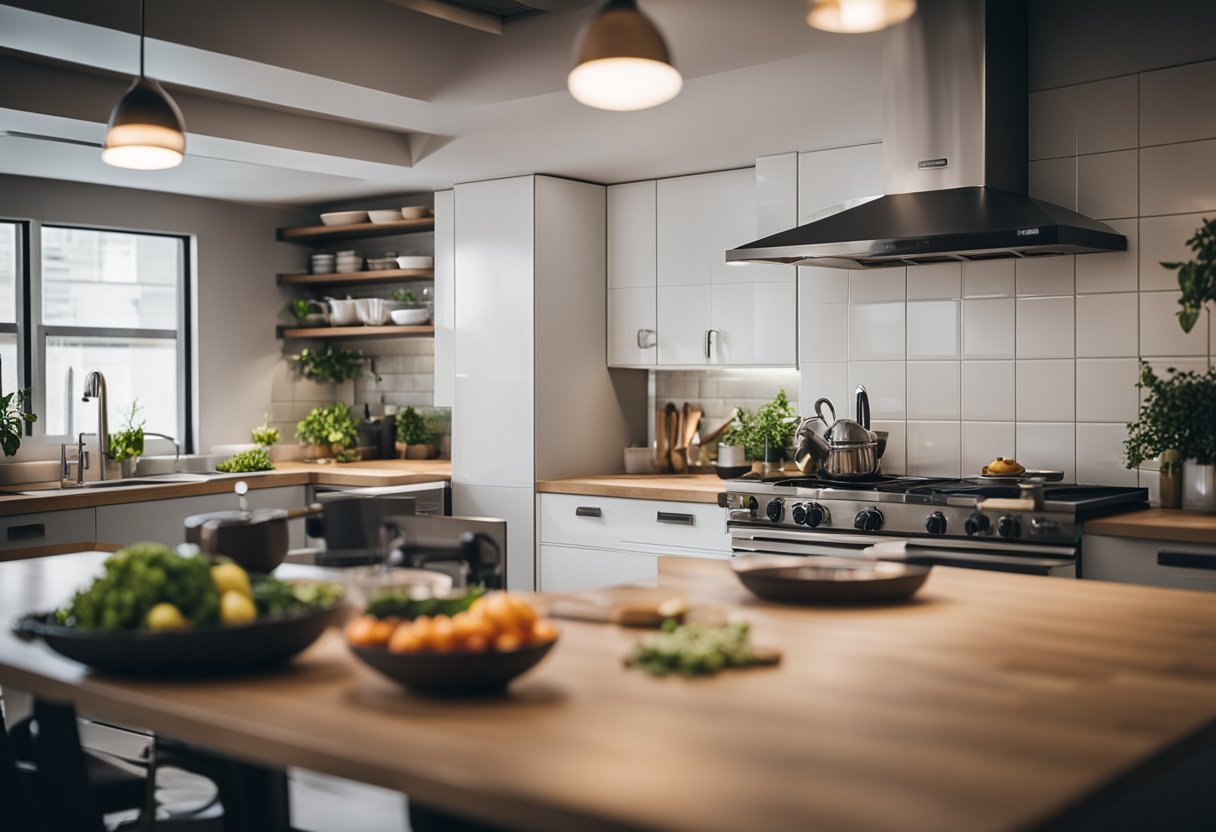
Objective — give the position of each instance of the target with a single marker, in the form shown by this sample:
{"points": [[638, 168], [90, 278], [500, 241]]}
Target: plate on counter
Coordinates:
{"points": [[1028, 475], [826, 580]]}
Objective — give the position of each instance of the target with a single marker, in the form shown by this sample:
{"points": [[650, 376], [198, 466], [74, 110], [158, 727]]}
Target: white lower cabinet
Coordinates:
{"points": [[21, 532], [1149, 562], [589, 542]]}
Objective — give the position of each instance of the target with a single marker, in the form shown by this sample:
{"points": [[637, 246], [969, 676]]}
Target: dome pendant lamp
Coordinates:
{"points": [[623, 62], [146, 130], [855, 16]]}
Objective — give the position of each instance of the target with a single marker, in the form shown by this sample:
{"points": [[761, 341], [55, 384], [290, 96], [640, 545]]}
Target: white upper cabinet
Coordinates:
{"points": [[828, 180], [445, 286], [632, 327]]}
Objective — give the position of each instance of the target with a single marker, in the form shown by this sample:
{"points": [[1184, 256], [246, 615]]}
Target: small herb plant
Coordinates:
{"points": [[412, 428], [244, 462], [128, 443], [303, 308], [264, 434], [330, 364], [13, 421], [405, 296], [1177, 414], [772, 425], [1197, 278], [330, 425]]}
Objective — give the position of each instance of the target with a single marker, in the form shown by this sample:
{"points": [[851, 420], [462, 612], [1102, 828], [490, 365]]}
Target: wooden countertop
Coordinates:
{"points": [[1158, 524], [683, 488], [371, 473], [991, 702]]}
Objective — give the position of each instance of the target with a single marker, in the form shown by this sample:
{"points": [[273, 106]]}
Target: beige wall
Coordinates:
{"points": [[236, 301]]}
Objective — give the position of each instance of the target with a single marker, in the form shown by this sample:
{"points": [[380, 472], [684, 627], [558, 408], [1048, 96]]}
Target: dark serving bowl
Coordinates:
{"points": [[206, 651], [454, 673], [823, 580]]}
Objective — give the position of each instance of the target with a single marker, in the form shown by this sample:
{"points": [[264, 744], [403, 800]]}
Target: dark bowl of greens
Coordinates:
{"points": [[113, 624]]}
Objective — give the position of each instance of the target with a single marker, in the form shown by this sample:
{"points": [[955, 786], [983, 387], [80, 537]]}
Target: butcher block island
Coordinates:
{"points": [[987, 702]]}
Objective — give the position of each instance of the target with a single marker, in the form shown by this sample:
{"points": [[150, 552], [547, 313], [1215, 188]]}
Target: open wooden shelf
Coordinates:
{"points": [[310, 234], [325, 332], [354, 278]]}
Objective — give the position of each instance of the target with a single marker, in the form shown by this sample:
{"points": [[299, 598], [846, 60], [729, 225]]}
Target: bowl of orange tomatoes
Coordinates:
{"points": [[478, 650]]}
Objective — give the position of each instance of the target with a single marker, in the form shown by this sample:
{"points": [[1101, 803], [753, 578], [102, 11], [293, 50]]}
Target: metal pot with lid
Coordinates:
{"points": [[839, 448]]}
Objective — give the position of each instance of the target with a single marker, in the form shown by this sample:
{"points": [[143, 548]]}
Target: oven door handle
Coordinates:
{"points": [[852, 540]]}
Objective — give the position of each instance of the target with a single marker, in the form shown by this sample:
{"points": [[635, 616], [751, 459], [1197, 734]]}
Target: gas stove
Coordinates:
{"points": [[985, 523]]}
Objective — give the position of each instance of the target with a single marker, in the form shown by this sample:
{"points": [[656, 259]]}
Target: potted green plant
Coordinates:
{"points": [[414, 435], [1177, 415], [14, 420], [765, 435], [309, 312], [330, 364], [266, 437], [333, 429], [125, 446], [1197, 278]]}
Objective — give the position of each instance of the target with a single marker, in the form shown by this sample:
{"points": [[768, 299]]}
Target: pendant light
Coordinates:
{"points": [[146, 130], [623, 62], [854, 16]]}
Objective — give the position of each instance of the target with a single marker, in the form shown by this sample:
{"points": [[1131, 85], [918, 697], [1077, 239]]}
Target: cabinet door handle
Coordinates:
{"points": [[710, 334], [1187, 560], [647, 339], [30, 531], [588, 511], [676, 518]]}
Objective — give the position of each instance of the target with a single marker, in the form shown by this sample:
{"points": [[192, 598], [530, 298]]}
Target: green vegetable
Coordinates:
{"points": [[14, 420], [1197, 278], [412, 428], [302, 308], [275, 597], [1177, 414], [331, 425], [332, 363], [243, 462], [773, 423], [264, 434], [138, 578], [128, 443], [397, 603], [404, 296], [693, 649]]}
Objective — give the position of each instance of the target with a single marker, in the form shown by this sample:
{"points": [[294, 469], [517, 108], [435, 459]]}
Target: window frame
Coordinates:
{"points": [[20, 326], [37, 333]]}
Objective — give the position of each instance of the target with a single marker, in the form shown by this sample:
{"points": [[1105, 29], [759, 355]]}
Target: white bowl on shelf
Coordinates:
{"points": [[415, 212], [411, 317], [415, 261], [343, 217], [343, 312], [372, 311], [385, 215]]}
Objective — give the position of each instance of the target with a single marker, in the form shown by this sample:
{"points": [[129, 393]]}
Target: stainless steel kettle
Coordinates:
{"points": [[844, 450]]}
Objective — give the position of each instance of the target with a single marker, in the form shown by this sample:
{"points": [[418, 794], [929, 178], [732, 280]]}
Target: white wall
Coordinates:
{"points": [[237, 301]]}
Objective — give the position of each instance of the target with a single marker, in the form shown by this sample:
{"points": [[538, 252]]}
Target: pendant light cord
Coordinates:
{"points": [[141, 38]]}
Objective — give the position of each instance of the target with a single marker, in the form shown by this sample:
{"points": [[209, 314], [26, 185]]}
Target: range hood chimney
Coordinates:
{"points": [[955, 79]]}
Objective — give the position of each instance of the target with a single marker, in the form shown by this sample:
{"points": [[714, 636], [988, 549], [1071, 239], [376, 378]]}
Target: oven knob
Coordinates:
{"points": [[977, 523], [936, 523], [816, 515], [799, 513], [868, 520], [1008, 526], [775, 509]]}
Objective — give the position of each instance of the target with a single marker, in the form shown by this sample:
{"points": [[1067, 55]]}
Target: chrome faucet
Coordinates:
{"points": [[95, 388], [177, 449]]}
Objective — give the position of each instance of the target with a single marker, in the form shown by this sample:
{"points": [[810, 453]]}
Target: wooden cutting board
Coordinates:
{"points": [[627, 606]]}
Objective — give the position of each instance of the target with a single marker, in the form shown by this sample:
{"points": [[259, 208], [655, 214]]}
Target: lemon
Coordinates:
{"points": [[165, 617], [231, 577], [236, 608]]}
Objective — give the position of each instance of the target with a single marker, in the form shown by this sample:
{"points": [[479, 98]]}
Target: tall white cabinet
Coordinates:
{"points": [[529, 352], [632, 325]]}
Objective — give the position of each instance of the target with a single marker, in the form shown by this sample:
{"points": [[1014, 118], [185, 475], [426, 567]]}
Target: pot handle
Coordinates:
{"points": [[863, 407], [819, 403]]}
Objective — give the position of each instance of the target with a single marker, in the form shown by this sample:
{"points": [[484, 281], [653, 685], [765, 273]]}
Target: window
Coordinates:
{"points": [[10, 268], [112, 301]]}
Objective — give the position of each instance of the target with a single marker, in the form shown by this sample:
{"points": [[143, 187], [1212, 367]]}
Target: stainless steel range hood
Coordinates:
{"points": [[954, 156]]}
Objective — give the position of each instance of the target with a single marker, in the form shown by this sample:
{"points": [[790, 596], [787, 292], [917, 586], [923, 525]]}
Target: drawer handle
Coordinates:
{"points": [[1187, 560], [30, 531], [588, 511], [676, 518]]}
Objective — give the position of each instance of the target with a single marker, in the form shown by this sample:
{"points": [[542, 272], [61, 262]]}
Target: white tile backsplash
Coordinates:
{"points": [[820, 285], [1106, 389], [988, 279], [823, 334], [1045, 275], [876, 331], [1045, 327], [1178, 178], [934, 449], [933, 329], [934, 390], [1107, 115], [866, 285], [884, 381], [989, 328], [1046, 391], [1178, 104], [1108, 325], [895, 458], [823, 379], [939, 280], [988, 391], [1160, 333], [1048, 445], [1100, 458], [1163, 240], [984, 442], [1053, 123], [1107, 184], [1114, 271]]}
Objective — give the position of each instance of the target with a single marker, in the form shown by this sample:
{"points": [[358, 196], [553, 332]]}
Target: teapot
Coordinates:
{"points": [[837, 448]]}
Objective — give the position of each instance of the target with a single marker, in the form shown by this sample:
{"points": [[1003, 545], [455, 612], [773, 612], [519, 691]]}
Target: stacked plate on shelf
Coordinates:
{"points": [[322, 263], [349, 261]]}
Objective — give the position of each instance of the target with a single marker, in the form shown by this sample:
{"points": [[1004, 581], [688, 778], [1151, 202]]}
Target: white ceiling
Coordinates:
{"points": [[313, 101]]}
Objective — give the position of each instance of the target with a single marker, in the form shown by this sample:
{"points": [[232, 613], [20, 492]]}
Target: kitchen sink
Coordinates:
{"points": [[94, 485]]}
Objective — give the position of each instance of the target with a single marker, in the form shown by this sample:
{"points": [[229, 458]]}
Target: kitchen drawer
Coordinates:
{"points": [[565, 569], [1149, 562], [48, 528], [657, 527]]}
